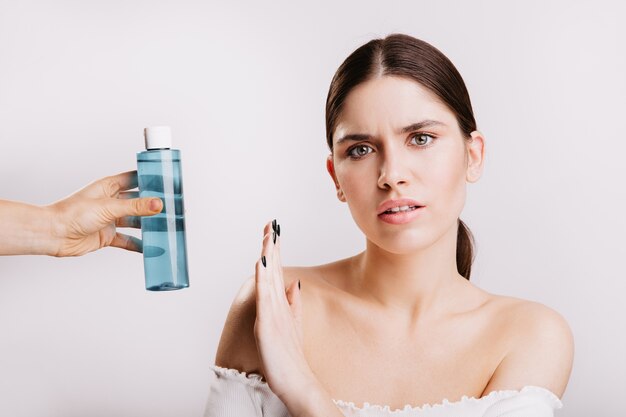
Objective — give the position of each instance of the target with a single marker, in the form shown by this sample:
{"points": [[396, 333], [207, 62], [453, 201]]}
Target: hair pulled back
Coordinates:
{"points": [[405, 56]]}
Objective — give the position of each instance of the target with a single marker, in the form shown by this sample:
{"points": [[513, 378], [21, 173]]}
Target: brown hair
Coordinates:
{"points": [[405, 56]]}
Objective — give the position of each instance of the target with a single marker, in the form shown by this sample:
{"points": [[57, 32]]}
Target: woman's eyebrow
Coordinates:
{"points": [[421, 125], [413, 126], [352, 137]]}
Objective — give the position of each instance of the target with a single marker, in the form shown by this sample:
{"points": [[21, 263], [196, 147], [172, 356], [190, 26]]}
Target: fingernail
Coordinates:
{"points": [[298, 284], [155, 204], [278, 229], [274, 237], [263, 260], [274, 224]]}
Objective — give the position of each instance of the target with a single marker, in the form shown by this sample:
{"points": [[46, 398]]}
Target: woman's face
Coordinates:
{"points": [[389, 159]]}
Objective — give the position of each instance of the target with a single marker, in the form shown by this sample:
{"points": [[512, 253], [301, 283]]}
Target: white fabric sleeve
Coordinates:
{"points": [[234, 394], [531, 401]]}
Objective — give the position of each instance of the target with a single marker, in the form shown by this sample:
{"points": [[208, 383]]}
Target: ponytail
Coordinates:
{"points": [[464, 250]]}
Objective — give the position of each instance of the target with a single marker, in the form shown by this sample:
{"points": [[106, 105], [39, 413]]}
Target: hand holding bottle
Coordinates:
{"points": [[87, 220], [81, 223]]}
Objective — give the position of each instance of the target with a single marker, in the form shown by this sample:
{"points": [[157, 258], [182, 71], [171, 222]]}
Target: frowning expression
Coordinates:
{"points": [[395, 139]]}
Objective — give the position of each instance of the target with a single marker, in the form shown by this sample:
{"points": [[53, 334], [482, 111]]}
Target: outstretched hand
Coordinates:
{"points": [[278, 325], [279, 336], [87, 220]]}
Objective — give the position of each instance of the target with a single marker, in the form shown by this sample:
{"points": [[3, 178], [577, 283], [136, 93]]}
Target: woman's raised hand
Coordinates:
{"points": [[278, 334], [278, 325], [87, 220]]}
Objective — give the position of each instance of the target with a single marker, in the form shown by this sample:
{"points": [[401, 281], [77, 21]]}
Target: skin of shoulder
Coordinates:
{"points": [[540, 343], [237, 348], [540, 350]]}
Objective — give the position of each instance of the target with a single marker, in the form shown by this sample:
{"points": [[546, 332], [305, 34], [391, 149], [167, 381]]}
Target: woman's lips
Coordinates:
{"points": [[398, 202], [401, 217]]}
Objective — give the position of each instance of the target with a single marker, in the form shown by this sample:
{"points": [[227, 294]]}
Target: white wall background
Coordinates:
{"points": [[243, 86]]}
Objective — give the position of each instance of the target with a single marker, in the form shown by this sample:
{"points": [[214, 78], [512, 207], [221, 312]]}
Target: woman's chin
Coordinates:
{"points": [[404, 250], [403, 244]]}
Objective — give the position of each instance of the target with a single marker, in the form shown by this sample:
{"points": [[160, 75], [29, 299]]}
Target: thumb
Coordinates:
{"points": [[295, 301], [146, 206]]}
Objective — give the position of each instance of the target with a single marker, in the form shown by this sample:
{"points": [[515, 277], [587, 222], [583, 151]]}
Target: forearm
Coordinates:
{"points": [[25, 229], [313, 401]]}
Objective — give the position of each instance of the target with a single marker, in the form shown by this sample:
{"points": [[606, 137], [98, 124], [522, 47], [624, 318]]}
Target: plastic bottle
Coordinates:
{"points": [[163, 235]]}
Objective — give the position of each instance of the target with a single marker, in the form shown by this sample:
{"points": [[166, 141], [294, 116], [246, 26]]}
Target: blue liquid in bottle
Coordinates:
{"points": [[163, 235]]}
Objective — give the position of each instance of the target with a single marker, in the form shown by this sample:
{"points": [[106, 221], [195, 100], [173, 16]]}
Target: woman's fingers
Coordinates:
{"points": [[127, 242], [126, 180], [272, 273], [277, 327], [277, 262], [122, 181], [274, 243], [110, 186], [125, 195], [261, 283], [133, 207], [295, 304], [129, 221], [264, 290], [291, 293]]}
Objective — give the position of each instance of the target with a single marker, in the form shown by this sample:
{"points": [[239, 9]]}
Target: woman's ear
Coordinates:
{"points": [[331, 170], [475, 156]]}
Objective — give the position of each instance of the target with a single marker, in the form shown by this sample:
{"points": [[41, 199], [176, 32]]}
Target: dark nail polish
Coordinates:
{"points": [[274, 237], [263, 260], [298, 284], [278, 229], [274, 224]]}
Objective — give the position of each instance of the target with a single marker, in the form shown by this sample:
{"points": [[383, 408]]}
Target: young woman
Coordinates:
{"points": [[398, 326]]}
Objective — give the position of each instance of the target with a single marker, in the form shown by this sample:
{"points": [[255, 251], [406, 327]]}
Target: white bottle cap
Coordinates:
{"points": [[158, 137]]}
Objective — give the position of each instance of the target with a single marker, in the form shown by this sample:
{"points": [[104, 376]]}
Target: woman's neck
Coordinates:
{"points": [[418, 286]]}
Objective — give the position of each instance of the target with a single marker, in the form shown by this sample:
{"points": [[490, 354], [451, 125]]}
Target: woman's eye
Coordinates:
{"points": [[422, 135], [359, 151], [358, 154]]}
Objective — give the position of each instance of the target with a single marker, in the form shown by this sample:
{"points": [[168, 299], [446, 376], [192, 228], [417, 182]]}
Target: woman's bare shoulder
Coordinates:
{"points": [[518, 311], [237, 346], [540, 345]]}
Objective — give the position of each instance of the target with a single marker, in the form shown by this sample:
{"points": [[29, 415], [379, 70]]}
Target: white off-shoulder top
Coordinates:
{"points": [[237, 394]]}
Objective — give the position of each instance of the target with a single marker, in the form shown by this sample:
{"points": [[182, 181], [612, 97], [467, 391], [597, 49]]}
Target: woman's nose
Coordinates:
{"points": [[393, 172]]}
